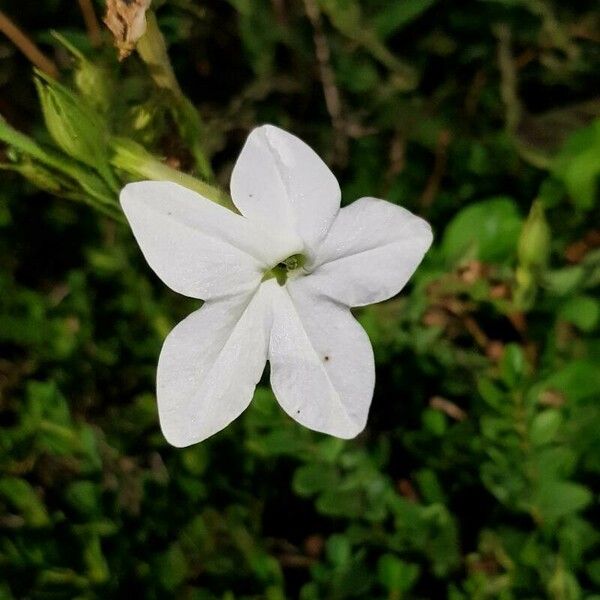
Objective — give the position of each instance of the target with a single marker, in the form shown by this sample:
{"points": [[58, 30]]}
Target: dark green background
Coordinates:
{"points": [[477, 476]]}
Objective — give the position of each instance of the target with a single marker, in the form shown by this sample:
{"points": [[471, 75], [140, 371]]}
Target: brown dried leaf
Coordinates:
{"points": [[127, 21]]}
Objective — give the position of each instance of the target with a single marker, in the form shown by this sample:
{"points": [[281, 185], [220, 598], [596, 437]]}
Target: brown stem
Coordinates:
{"points": [[27, 46], [331, 92], [508, 78], [91, 22], [439, 166]]}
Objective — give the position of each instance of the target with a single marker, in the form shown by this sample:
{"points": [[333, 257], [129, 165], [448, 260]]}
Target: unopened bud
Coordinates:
{"points": [[38, 175], [93, 81], [534, 241], [144, 122], [95, 84], [525, 288], [75, 127]]}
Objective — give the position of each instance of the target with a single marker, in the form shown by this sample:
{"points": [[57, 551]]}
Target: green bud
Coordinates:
{"points": [[141, 117], [144, 122], [95, 84], [534, 241], [38, 175], [74, 125], [93, 81], [53, 171], [525, 288], [97, 568]]}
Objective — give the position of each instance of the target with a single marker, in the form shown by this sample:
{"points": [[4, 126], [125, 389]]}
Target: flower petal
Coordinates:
{"points": [[209, 367], [371, 251], [280, 182], [322, 367], [197, 247]]}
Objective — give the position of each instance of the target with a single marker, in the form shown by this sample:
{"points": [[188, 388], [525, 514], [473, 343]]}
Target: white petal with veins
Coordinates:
{"points": [[197, 247], [210, 364], [371, 251], [322, 367], [280, 182]]}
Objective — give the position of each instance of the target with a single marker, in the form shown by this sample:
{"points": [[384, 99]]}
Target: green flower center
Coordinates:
{"points": [[282, 270]]}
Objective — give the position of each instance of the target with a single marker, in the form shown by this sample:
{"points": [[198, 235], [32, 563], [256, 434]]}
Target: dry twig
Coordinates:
{"points": [[331, 92], [27, 46], [448, 408], [508, 81], [91, 22]]}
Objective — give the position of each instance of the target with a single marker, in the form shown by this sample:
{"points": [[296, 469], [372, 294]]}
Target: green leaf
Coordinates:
{"points": [[578, 380], [555, 499], [512, 365], [581, 311], [434, 421], [338, 550], [97, 567], [534, 240], [395, 575], [545, 426], [578, 165], [313, 478], [486, 230], [346, 15], [562, 282], [21, 495], [84, 496], [172, 567], [397, 15], [490, 393], [430, 487], [341, 503], [258, 34], [593, 571]]}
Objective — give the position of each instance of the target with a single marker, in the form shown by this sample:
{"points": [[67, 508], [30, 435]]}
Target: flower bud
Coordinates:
{"points": [[525, 289], [145, 122], [534, 241], [93, 81], [74, 125], [95, 84], [38, 175]]}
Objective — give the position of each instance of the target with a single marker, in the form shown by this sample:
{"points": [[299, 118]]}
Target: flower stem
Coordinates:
{"points": [[153, 51], [134, 159]]}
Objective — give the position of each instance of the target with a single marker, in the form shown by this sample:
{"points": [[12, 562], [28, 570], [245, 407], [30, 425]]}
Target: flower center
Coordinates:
{"points": [[281, 271]]}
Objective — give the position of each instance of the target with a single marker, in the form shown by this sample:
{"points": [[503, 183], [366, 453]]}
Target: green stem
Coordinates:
{"points": [[153, 51], [134, 159], [88, 182]]}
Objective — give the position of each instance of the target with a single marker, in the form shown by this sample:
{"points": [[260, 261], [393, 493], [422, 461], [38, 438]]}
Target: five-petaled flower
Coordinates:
{"points": [[278, 281]]}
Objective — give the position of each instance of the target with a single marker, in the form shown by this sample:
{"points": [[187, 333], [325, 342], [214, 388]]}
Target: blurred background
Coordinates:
{"points": [[477, 476]]}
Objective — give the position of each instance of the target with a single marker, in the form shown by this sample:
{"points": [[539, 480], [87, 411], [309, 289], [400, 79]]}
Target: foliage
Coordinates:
{"points": [[477, 475]]}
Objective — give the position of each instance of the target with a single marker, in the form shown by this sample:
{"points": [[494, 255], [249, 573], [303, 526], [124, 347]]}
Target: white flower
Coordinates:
{"points": [[278, 281]]}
